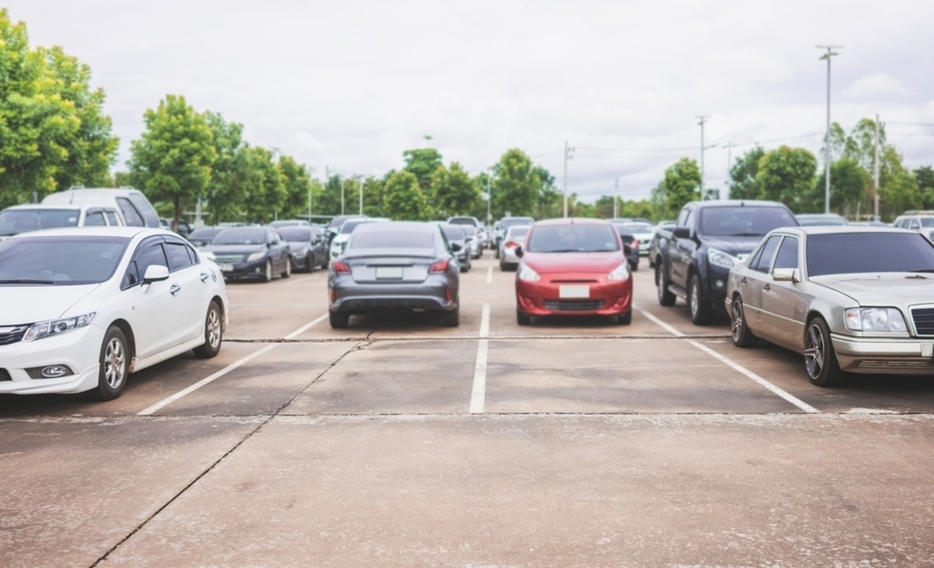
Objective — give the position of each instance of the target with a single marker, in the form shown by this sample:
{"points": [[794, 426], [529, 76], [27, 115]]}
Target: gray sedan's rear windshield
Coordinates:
{"points": [[573, 238], [392, 239], [21, 220], [849, 253], [744, 221], [60, 260]]}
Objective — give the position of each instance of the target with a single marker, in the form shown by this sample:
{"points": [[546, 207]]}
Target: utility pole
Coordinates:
{"points": [[360, 181], [875, 176], [489, 201], [830, 53], [616, 199], [729, 164], [568, 150], [310, 172], [703, 119]]}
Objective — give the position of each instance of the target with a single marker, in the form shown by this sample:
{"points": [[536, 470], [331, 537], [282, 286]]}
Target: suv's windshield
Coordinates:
{"points": [[15, 221], [350, 225], [453, 233], [849, 253], [573, 238], [251, 236], [513, 221], [743, 221], [60, 260]]}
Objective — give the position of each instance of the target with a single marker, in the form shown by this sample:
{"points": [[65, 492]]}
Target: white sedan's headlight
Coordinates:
{"points": [[256, 256], [721, 259], [527, 274], [875, 319], [621, 272], [56, 327]]}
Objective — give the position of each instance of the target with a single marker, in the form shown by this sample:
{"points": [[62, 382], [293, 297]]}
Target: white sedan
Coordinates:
{"points": [[81, 309]]}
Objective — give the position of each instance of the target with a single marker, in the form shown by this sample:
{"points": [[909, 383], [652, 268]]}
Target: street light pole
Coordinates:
{"points": [[489, 201], [342, 194], [703, 119], [568, 150], [616, 199], [830, 53], [875, 176], [360, 181]]}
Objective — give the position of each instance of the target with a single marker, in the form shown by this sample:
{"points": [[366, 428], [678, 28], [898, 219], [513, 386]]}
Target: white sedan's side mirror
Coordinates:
{"points": [[155, 273]]}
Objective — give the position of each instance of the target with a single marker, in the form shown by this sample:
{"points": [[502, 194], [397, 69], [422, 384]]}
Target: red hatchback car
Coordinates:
{"points": [[573, 267]]}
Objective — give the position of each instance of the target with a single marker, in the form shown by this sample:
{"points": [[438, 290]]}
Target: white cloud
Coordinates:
{"points": [[875, 86]]}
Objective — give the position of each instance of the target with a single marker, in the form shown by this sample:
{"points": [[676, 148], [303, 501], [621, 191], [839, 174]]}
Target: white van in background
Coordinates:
{"points": [[136, 209], [24, 218]]}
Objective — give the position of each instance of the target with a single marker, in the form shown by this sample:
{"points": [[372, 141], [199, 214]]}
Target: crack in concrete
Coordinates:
{"points": [[401, 339]]}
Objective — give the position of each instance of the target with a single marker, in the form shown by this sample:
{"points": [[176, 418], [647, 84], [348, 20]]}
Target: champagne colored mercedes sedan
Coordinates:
{"points": [[850, 299], [81, 309]]}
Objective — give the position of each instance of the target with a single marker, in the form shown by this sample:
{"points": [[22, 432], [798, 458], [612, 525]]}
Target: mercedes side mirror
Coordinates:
{"points": [[786, 275]]}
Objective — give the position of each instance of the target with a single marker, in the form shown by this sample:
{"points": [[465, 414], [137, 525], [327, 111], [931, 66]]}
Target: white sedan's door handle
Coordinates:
{"points": [[204, 276], [174, 289]]}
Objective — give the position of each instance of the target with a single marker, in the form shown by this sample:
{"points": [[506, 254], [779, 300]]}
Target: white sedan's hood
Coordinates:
{"points": [[29, 304]]}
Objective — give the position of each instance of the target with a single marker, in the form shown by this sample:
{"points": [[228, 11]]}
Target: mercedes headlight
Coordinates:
{"points": [[875, 319], [621, 272], [56, 327], [527, 274], [256, 256], [721, 259]]}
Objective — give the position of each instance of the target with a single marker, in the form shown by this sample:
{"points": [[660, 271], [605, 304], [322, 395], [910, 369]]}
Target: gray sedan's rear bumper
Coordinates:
{"points": [[355, 297]]}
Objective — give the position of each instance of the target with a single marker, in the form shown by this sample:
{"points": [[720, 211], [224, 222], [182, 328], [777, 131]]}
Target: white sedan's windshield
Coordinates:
{"points": [[60, 260]]}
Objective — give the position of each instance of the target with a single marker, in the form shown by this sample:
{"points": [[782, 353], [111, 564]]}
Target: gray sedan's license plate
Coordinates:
{"points": [[389, 272], [570, 292]]}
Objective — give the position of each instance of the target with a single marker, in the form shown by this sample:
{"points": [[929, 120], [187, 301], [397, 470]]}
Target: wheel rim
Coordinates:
{"points": [[660, 282], [814, 351], [694, 301], [737, 328], [114, 363], [268, 270], [214, 329], [288, 267]]}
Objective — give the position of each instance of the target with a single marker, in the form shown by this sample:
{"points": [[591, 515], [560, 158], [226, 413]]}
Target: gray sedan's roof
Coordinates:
{"points": [[833, 229]]}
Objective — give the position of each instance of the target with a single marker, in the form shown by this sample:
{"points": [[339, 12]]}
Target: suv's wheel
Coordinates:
{"points": [[740, 333], [114, 365], [701, 310], [213, 333], [819, 359], [665, 297]]}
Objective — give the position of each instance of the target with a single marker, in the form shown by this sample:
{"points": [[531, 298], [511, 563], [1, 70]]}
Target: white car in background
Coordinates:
{"points": [[643, 232], [84, 308], [513, 239], [24, 218]]}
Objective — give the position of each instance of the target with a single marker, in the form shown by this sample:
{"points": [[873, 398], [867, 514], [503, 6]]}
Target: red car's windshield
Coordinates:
{"points": [[573, 238]]}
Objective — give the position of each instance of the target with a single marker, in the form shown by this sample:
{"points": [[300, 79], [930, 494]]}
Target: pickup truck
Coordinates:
{"points": [[709, 237]]}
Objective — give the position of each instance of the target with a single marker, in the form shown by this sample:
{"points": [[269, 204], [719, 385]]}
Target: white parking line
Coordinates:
{"points": [[736, 366], [167, 401], [478, 395], [489, 275]]}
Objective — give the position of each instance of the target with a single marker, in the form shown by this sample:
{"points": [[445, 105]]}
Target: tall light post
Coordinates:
{"points": [[489, 200], [360, 181], [703, 119], [830, 53], [568, 151], [616, 199], [310, 177]]}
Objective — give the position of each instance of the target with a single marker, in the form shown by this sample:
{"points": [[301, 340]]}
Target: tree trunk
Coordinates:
{"points": [[178, 212]]}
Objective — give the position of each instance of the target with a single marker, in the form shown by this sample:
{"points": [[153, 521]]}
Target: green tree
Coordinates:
{"points": [[743, 175], [516, 184], [228, 188], [403, 199], [787, 175], [924, 176], [267, 194], [297, 183], [455, 193], [898, 188], [173, 158], [681, 185], [422, 162], [848, 183]]}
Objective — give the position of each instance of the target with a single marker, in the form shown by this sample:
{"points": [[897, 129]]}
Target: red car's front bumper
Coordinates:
{"points": [[543, 297]]}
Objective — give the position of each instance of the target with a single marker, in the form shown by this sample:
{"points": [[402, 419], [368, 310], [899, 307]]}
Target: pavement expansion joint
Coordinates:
{"points": [[669, 417], [402, 339]]}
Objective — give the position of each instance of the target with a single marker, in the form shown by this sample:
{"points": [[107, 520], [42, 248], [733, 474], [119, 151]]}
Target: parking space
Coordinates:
{"points": [[397, 441]]}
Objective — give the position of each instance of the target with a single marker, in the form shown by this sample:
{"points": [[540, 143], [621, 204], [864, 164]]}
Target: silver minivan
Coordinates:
{"points": [[136, 209]]}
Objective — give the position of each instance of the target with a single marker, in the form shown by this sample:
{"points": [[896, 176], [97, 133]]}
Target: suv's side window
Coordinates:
{"points": [[112, 219], [132, 216], [768, 253], [787, 254], [914, 225], [145, 209], [95, 219], [682, 217], [149, 253]]}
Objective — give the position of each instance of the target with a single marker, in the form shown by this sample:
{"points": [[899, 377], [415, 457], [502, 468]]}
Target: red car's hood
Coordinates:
{"points": [[580, 262]]}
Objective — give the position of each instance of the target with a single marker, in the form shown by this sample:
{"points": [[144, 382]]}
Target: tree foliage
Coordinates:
{"points": [[422, 162], [403, 199], [680, 185], [786, 175], [516, 184], [743, 173], [455, 192], [52, 127], [173, 158]]}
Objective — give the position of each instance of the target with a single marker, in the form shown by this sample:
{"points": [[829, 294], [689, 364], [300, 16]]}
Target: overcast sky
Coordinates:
{"points": [[350, 85]]}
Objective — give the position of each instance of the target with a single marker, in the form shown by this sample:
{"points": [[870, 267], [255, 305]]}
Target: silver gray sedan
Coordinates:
{"points": [[395, 266], [850, 299]]}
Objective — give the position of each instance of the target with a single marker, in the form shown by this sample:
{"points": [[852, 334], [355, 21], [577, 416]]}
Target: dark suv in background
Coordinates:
{"points": [[708, 238]]}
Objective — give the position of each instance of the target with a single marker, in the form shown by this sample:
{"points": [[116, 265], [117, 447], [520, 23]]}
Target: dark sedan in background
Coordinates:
{"points": [[306, 246], [630, 245], [202, 236], [395, 266], [250, 252]]}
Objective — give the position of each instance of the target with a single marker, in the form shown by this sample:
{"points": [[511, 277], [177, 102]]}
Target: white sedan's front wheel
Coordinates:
{"points": [[114, 365], [213, 333]]}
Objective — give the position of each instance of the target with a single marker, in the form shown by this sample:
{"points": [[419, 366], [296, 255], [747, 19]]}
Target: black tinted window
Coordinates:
{"points": [[744, 221], [178, 256], [14, 221], [768, 253], [149, 254], [145, 209], [453, 233], [296, 234], [132, 216], [787, 254], [848, 253], [392, 239], [112, 218]]}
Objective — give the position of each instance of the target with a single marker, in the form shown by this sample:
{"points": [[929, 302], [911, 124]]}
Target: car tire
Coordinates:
{"points": [[310, 263], [451, 318], [651, 263], [213, 333], [288, 269], [267, 274], [114, 365], [634, 266], [624, 319], [701, 310], [820, 361], [740, 333], [665, 297], [338, 320], [522, 319]]}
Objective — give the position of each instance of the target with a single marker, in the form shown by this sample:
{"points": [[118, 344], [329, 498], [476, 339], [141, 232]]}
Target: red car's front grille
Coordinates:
{"points": [[573, 305]]}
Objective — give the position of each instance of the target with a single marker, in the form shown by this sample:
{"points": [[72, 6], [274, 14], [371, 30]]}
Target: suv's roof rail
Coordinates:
{"points": [[919, 212]]}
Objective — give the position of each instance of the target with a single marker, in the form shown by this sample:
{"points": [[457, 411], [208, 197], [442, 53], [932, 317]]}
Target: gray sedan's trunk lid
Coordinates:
{"points": [[391, 266]]}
